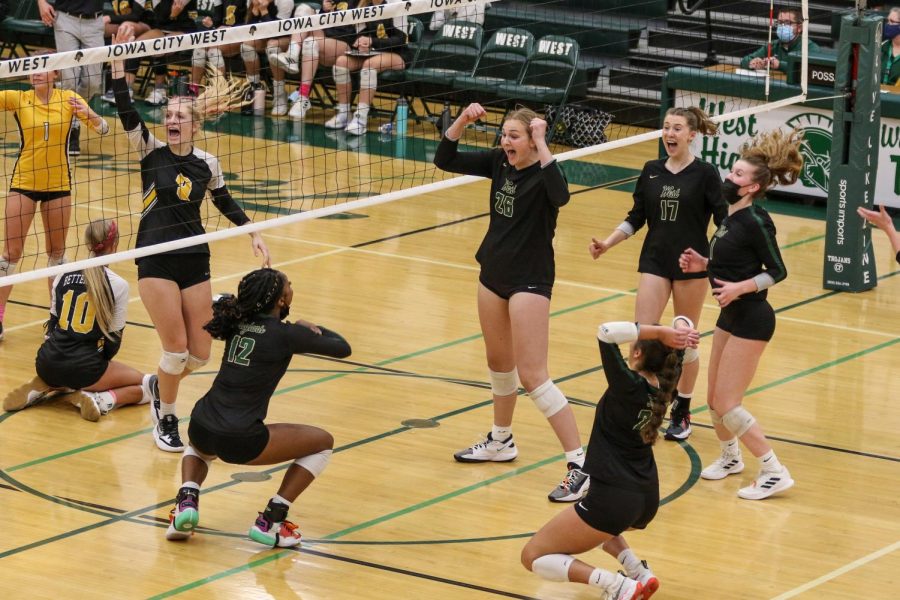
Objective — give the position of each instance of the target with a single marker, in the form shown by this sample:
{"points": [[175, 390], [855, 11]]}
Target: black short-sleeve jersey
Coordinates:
{"points": [[388, 35], [255, 360], [73, 324], [677, 208], [743, 247], [518, 246], [617, 455], [173, 186]]}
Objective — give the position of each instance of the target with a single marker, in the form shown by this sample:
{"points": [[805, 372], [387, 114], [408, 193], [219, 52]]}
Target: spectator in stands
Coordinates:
{"points": [[233, 12], [789, 29], [323, 46], [130, 11], [76, 24], [882, 220], [262, 11], [890, 48], [380, 46], [475, 14]]}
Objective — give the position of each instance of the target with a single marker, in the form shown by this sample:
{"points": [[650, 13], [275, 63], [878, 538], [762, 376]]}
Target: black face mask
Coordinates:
{"points": [[730, 193], [285, 311]]}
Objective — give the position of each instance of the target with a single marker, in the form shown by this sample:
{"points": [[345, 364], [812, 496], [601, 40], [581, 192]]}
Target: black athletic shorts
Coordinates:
{"points": [[506, 291], [237, 449], [76, 369], [186, 270], [613, 510], [652, 266], [41, 196], [748, 319]]}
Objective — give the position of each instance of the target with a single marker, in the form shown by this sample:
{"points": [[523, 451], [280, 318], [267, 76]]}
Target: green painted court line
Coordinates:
{"points": [[199, 582]]}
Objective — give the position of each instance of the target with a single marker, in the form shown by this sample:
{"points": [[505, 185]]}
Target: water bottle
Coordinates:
{"points": [[402, 115], [259, 102], [387, 128], [294, 96]]}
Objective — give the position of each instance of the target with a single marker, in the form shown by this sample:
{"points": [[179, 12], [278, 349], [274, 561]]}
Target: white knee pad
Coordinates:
{"points": [[690, 355], [553, 567], [6, 267], [173, 363], [315, 463], [189, 451], [215, 58], [248, 53], [504, 384], [548, 398], [368, 79], [341, 74], [198, 57], [271, 52], [715, 417], [310, 46], [193, 363], [738, 420], [53, 261]]}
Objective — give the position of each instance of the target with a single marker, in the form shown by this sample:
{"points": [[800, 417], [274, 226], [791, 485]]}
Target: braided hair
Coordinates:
{"points": [[258, 293], [665, 363]]}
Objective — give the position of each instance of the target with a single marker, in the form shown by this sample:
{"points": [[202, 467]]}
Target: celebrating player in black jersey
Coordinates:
{"points": [[624, 491], [882, 220], [174, 286], [228, 421], [675, 197], [517, 273], [84, 333], [744, 261]]}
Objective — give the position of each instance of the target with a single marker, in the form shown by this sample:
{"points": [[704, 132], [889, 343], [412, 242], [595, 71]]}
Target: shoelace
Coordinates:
{"points": [[569, 479], [292, 527]]}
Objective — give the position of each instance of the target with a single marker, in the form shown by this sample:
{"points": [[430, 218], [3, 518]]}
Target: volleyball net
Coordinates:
{"points": [[583, 63]]}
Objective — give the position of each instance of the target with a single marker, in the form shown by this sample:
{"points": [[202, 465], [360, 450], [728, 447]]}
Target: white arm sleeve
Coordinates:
{"points": [[763, 281], [626, 228], [618, 332], [120, 294]]}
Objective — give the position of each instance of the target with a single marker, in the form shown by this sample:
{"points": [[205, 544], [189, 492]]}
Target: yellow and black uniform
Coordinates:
{"points": [[388, 35], [44, 129], [76, 353], [677, 208], [624, 490], [228, 420], [173, 188], [345, 33], [744, 247], [126, 10], [516, 254]]}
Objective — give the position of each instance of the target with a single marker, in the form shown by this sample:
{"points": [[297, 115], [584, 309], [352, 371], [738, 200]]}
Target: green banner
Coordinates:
{"points": [[849, 263]]}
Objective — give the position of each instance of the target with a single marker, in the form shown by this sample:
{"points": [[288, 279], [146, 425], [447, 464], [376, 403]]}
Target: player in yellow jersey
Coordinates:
{"points": [[41, 176]]}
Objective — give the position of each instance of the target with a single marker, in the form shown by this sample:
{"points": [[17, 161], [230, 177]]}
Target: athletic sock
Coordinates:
{"points": [[575, 456], [769, 462], [500, 434], [682, 403], [166, 408]]}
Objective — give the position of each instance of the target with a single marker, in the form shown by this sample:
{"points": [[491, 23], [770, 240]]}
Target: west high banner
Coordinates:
{"points": [[849, 262]]}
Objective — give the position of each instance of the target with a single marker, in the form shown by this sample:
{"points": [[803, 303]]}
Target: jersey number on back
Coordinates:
{"points": [[643, 417], [240, 349], [78, 315]]}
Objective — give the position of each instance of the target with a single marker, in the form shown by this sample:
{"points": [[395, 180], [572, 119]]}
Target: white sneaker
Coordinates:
{"points": [[157, 97], [625, 589], [648, 580], [287, 63], [489, 450], [357, 126], [91, 406], [338, 121], [279, 105], [725, 465], [166, 436], [108, 96], [298, 110], [150, 391], [767, 484]]}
